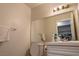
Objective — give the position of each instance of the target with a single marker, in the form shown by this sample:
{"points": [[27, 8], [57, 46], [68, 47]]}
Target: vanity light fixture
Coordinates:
{"points": [[61, 7], [58, 9], [66, 6], [55, 9]]}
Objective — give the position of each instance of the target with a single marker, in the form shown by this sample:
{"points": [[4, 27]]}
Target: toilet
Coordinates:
{"points": [[37, 49], [34, 50]]}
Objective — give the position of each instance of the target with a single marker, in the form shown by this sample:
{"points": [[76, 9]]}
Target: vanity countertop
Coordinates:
{"points": [[65, 43]]}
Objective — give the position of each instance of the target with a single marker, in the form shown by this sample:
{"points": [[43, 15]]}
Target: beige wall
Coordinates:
{"points": [[47, 26], [43, 10], [46, 10], [18, 16], [76, 14], [37, 29]]}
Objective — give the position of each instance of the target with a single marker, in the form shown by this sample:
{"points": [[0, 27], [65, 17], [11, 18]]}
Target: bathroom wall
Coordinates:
{"points": [[19, 17], [77, 21], [47, 26], [46, 11], [36, 30], [43, 10]]}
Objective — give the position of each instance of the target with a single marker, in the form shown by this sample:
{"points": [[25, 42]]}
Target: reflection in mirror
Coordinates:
{"points": [[64, 30], [53, 27]]}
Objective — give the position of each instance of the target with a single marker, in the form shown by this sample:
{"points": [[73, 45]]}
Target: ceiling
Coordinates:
{"points": [[32, 5]]}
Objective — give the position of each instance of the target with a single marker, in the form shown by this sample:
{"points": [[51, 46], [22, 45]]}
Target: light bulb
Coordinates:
{"points": [[66, 6]]}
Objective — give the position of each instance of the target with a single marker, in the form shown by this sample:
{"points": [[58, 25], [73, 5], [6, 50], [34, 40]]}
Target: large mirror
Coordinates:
{"points": [[61, 25]]}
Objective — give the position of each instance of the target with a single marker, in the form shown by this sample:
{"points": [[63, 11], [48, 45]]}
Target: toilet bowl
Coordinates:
{"points": [[34, 50]]}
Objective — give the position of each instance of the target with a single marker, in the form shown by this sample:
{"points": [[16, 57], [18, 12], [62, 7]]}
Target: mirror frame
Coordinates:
{"points": [[72, 25]]}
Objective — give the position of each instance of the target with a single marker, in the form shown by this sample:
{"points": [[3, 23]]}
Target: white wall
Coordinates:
{"points": [[18, 16], [36, 30]]}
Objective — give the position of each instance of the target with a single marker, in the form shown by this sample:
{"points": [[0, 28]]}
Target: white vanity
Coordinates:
{"points": [[70, 48]]}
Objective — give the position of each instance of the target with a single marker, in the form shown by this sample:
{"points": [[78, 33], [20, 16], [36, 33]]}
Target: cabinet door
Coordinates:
{"points": [[62, 51]]}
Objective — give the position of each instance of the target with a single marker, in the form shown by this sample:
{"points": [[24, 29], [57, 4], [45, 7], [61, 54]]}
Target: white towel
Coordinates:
{"points": [[3, 33]]}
